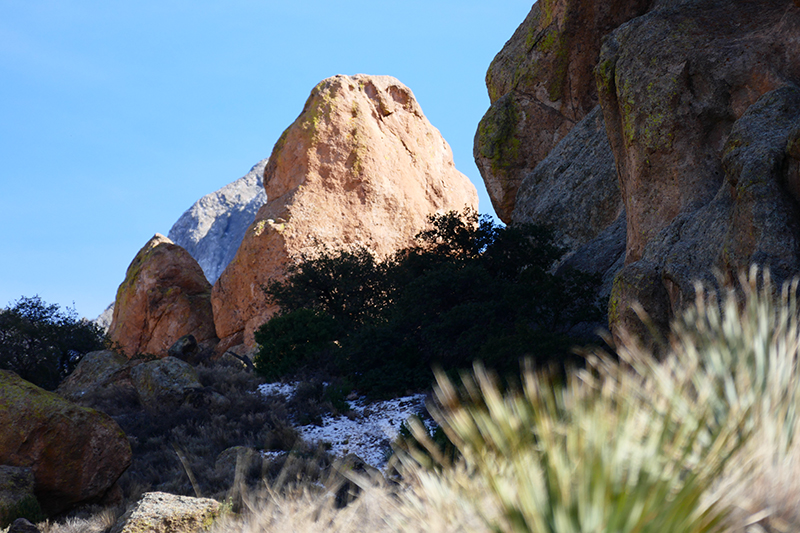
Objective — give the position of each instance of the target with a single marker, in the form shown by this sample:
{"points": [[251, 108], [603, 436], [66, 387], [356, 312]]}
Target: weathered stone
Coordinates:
{"points": [[753, 219], [96, 369], [237, 458], [17, 499], [184, 348], [164, 297], [701, 128], [669, 108], [165, 383], [213, 228], [575, 191], [540, 85], [361, 166], [76, 453], [159, 512], [102, 381]]}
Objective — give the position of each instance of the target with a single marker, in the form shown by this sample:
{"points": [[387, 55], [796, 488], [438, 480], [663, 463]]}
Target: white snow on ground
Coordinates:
{"points": [[370, 431], [277, 389]]}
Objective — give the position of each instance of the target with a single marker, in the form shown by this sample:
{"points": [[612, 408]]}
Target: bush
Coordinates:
{"points": [[294, 341], [467, 289], [42, 343]]}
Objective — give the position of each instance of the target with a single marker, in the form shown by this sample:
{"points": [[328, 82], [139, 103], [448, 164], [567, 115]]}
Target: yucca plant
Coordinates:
{"points": [[599, 454]]}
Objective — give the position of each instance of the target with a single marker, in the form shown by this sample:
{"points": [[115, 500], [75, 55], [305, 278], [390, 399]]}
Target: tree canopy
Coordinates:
{"points": [[42, 343]]}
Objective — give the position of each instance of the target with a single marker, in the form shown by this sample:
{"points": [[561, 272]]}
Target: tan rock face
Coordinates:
{"points": [[76, 453], [541, 84], [361, 165], [164, 297]]}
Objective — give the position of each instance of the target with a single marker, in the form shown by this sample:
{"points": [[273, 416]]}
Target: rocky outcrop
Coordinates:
{"points": [[361, 166], [76, 454], [702, 130], [159, 512], [541, 84], [164, 297], [164, 384], [213, 228], [575, 190]]}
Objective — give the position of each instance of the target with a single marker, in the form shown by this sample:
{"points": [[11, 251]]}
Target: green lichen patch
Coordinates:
{"points": [[497, 140]]}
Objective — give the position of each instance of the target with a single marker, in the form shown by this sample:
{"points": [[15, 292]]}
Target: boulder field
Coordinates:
{"points": [[678, 161], [361, 166]]}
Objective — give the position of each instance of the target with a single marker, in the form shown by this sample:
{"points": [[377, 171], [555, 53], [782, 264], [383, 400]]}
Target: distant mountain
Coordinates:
{"points": [[213, 228]]}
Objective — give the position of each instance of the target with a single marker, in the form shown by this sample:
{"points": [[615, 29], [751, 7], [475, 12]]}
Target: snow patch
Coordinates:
{"points": [[366, 431]]}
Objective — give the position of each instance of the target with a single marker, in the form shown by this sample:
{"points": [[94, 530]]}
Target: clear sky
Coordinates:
{"points": [[116, 116]]}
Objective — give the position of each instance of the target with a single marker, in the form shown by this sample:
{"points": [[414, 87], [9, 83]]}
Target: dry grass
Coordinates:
{"points": [[701, 440]]}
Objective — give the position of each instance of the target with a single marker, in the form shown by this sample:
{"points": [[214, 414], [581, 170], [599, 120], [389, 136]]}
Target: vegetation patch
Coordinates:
{"points": [[467, 289]]}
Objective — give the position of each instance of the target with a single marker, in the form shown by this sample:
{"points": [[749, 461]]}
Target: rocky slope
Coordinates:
{"points": [[213, 228], [361, 166], [693, 166]]}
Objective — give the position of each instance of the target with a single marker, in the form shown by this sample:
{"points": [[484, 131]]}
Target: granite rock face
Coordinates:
{"points": [[702, 130], [575, 190], [76, 454], [361, 166], [164, 297], [213, 228], [541, 84]]}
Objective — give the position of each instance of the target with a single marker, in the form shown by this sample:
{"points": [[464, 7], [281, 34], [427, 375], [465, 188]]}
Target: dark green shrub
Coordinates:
{"points": [[467, 289], [295, 340], [42, 343]]}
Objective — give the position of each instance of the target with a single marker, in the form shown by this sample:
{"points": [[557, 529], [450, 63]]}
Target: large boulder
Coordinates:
{"points": [[165, 296], [95, 369], [159, 512], [702, 130], [540, 85], [165, 383], [213, 228], [102, 381], [361, 166], [76, 454]]}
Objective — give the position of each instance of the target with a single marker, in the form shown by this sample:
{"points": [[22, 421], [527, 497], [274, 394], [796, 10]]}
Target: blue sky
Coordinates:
{"points": [[116, 116]]}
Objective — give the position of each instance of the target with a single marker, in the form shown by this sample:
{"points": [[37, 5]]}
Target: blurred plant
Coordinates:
{"points": [[42, 343]]}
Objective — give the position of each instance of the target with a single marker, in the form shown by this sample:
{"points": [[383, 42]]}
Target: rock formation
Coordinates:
{"points": [[76, 454], [361, 166], [541, 84], [701, 128], [164, 297], [213, 228], [574, 189], [164, 384], [159, 512]]}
